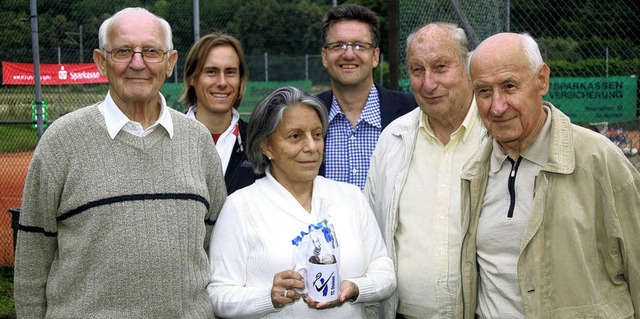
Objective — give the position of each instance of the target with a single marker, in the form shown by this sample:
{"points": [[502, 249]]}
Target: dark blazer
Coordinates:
{"points": [[393, 104], [239, 172]]}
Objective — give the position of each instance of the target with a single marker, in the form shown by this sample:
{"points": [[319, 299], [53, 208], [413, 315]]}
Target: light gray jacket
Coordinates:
{"points": [[387, 175]]}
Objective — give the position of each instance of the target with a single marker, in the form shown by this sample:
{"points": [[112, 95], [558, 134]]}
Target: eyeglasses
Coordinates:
{"points": [[125, 55], [339, 47]]}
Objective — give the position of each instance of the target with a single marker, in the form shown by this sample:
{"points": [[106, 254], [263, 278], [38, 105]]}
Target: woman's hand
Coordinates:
{"points": [[348, 290], [283, 290]]}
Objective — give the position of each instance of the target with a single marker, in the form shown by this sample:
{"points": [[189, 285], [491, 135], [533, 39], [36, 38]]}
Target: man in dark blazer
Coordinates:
{"points": [[358, 109]]}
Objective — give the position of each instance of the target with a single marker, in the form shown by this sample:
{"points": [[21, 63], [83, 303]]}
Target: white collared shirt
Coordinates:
{"points": [[227, 139], [428, 237], [116, 120]]}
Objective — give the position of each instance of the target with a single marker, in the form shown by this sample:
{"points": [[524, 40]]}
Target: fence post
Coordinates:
{"points": [[465, 23], [306, 67], [606, 59], [394, 43], [196, 20], [266, 67], [35, 47], [381, 65], [59, 104], [507, 16]]}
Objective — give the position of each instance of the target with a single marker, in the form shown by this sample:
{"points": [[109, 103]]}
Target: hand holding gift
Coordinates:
{"points": [[315, 258]]}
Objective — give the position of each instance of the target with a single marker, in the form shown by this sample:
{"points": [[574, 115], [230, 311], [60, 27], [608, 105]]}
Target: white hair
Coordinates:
{"points": [[532, 52], [106, 25], [454, 31]]}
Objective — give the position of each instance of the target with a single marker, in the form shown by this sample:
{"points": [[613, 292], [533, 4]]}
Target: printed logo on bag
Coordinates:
{"points": [[321, 284]]}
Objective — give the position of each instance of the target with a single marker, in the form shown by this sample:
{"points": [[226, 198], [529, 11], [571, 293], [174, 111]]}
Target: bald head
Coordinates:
{"points": [[508, 49], [509, 80]]}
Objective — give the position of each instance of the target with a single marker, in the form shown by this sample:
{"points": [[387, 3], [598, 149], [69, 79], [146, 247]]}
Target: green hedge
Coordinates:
{"points": [[594, 67]]}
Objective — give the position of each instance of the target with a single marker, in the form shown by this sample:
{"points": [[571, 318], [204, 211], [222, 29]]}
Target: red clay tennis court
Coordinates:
{"points": [[13, 172]]}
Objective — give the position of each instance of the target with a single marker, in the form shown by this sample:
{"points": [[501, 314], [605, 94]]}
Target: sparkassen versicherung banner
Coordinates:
{"points": [[597, 99]]}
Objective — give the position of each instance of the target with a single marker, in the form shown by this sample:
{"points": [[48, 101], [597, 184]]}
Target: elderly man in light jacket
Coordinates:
{"points": [[551, 210], [413, 185]]}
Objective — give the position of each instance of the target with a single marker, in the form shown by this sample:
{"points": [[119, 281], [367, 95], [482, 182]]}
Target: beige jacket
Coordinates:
{"points": [[580, 255]]}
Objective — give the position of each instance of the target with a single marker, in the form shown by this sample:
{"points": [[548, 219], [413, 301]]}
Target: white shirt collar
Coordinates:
{"points": [[235, 117], [227, 139], [117, 121], [191, 112]]}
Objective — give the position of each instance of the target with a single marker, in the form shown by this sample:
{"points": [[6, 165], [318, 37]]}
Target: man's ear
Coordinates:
{"points": [[324, 57], [543, 78], [100, 61], [173, 58], [376, 57]]}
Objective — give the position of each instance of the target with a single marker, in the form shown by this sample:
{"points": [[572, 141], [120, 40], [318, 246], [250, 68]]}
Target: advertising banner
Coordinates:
{"points": [[598, 99], [51, 74], [256, 91]]}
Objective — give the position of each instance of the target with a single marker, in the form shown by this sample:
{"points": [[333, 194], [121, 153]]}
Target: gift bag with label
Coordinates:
{"points": [[316, 257]]}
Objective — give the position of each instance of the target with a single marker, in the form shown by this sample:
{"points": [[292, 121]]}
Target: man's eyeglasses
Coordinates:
{"points": [[339, 47], [125, 55]]}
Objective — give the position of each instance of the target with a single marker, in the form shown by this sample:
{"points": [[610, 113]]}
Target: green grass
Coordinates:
{"points": [[7, 306], [16, 105], [17, 138]]}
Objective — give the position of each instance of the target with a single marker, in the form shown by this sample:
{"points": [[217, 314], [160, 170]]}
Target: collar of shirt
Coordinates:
{"points": [[227, 139], [470, 120], [191, 112], [235, 117], [538, 151], [370, 113], [117, 121]]}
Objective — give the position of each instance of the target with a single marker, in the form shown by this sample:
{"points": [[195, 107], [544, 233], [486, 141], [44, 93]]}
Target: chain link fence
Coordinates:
{"points": [[591, 40], [596, 39], [592, 48]]}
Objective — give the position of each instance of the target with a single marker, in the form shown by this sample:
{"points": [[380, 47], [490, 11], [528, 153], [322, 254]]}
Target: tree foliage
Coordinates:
{"points": [[583, 36], [280, 27], [569, 31]]}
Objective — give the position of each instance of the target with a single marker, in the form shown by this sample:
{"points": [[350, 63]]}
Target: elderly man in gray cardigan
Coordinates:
{"points": [[121, 196]]}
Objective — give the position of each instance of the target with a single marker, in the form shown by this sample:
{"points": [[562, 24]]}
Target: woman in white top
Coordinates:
{"points": [[254, 239]]}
